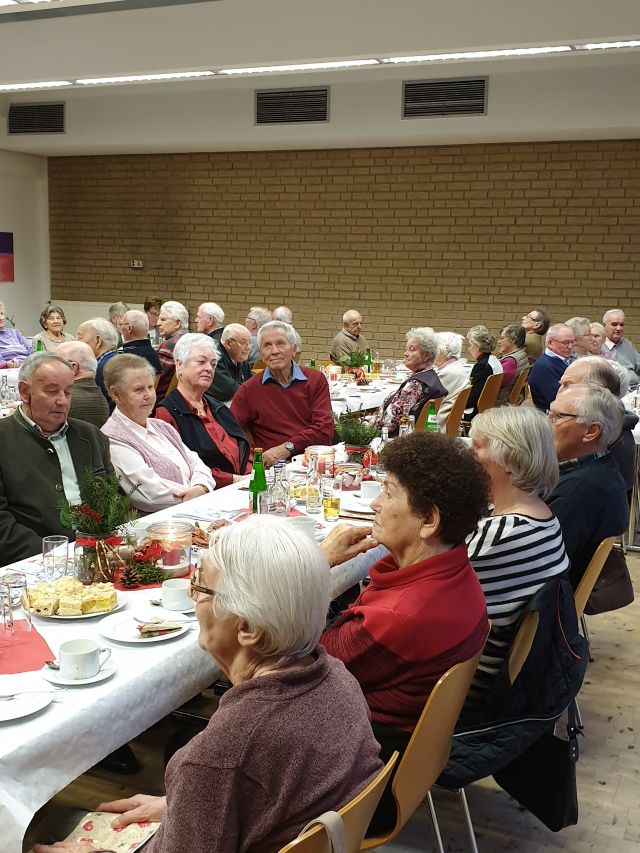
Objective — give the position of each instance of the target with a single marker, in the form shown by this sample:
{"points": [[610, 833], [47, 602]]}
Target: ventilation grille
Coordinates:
{"points": [[292, 106], [424, 98], [35, 118]]}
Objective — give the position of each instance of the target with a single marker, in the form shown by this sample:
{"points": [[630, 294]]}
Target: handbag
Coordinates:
{"points": [[334, 828], [543, 777], [613, 589]]}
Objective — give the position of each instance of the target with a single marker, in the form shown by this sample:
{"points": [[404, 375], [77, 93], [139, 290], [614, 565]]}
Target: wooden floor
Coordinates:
{"points": [[608, 770]]}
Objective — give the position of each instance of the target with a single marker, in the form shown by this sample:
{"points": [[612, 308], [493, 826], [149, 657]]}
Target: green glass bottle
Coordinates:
{"points": [[312, 364], [431, 424], [39, 345], [258, 482]]}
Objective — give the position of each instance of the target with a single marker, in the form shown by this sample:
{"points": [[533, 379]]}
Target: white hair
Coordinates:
{"points": [[79, 352], [260, 315], [426, 339], [36, 360], [118, 309], [607, 314], [231, 330], [186, 343], [623, 376], [482, 338], [213, 310], [138, 320], [272, 325], [176, 311], [449, 343], [105, 329], [555, 329], [521, 442], [282, 313], [348, 315], [276, 579], [598, 405], [578, 325]]}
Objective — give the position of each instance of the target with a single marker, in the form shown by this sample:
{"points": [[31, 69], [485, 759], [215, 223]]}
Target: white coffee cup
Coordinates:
{"points": [[81, 659], [369, 490], [175, 594], [304, 524]]}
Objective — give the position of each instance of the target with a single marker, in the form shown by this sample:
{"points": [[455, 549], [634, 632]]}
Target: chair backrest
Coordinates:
{"points": [[591, 574], [156, 380], [428, 750], [356, 817], [489, 394], [518, 385], [173, 384], [521, 645], [421, 421], [452, 424], [528, 399]]}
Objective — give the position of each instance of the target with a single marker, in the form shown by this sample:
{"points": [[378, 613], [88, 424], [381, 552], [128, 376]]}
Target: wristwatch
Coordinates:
{"points": [[290, 448]]}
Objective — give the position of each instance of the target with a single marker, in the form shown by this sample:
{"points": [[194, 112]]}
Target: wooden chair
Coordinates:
{"points": [[592, 573], [528, 399], [421, 421], [356, 817], [173, 384], [489, 395], [428, 750], [258, 366], [156, 380], [518, 385], [452, 424]]}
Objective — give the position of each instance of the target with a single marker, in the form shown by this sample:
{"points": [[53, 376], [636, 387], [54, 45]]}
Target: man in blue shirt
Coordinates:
{"points": [[546, 373]]}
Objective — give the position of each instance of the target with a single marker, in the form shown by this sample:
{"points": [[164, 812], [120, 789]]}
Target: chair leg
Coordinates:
{"points": [[585, 633], [434, 822], [467, 817], [579, 722]]}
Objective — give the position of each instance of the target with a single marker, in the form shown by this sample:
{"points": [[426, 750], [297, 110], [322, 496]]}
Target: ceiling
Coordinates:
{"points": [[577, 95]]}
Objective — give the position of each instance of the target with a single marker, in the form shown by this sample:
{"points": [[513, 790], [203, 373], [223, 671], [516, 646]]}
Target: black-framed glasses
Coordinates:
{"points": [[556, 416]]}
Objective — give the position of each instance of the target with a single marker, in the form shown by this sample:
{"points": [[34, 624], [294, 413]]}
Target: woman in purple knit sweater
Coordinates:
{"points": [[291, 738]]}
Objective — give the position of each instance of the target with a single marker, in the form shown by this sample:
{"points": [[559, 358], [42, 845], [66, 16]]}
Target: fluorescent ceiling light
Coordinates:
{"points": [[607, 45], [479, 54], [145, 78], [22, 87], [302, 66]]}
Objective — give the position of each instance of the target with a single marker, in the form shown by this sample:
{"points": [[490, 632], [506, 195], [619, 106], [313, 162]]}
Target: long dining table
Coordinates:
{"points": [[41, 753]]}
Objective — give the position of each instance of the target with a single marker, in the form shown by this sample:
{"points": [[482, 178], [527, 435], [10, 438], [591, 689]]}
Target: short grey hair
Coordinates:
{"points": [[186, 343], [348, 315], [600, 329], [298, 345], [233, 329], [426, 339], [520, 441], [176, 311], [450, 343], [596, 404], [105, 329], [283, 313], [275, 578], [273, 325], [482, 338], [607, 314], [515, 333], [118, 368], [623, 376], [259, 314], [36, 360], [578, 324], [213, 310], [138, 320], [555, 330], [79, 352], [118, 309], [2, 306]]}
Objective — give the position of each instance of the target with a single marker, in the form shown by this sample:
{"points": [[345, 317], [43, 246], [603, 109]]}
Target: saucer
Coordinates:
{"points": [[53, 675]]}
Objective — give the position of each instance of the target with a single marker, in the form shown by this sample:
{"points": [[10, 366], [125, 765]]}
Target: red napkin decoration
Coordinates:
{"points": [[25, 651]]}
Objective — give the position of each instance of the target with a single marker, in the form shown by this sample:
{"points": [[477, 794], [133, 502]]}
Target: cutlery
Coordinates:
{"points": [[178, 620], [5, 697], [52, 664]]}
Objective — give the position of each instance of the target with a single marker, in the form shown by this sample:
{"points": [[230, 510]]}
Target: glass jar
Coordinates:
{"points": [[351, 476], [95, 556], [174, 539]]}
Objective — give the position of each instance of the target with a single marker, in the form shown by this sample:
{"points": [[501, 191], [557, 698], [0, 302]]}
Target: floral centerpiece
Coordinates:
{"points": [[353, 363], [357, 432]]}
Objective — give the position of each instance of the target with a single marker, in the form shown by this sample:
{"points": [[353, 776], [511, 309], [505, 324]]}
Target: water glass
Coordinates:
{"points": [[55, 557], [6, 608], [331, 491], [16, 583]]}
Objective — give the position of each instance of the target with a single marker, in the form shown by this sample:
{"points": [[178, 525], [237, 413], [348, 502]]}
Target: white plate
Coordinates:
{"points": [[22, 706], [123, 629], [356, 505], [121, 603], [152, 612], [53, 675]]}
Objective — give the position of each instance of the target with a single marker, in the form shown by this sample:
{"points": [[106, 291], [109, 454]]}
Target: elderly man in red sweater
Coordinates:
{"points": [[286, 407]]}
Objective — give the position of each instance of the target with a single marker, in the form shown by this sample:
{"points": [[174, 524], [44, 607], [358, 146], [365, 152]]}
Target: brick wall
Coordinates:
{"points": [[442, 236]]}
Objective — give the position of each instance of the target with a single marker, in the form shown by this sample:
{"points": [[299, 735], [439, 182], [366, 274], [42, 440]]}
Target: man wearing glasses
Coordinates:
{"points": [[536, 324], [590, 500], [546, 373], [233, 366]]}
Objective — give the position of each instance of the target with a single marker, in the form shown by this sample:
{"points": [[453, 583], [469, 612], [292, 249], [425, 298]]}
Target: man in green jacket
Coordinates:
{"points": [[43, 456]]}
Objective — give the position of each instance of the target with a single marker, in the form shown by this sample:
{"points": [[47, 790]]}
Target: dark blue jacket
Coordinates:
{"points": [[544, 380], [143, 348]]}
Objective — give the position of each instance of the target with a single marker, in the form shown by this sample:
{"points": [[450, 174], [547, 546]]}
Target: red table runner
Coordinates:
{"points": [[25, 651]]}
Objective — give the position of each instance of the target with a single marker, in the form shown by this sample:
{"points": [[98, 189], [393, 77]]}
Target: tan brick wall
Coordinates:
{"points": [[445, 236]]}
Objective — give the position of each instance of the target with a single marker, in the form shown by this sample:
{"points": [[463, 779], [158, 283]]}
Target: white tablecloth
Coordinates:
{"points": [[42, 753], [354, 397], [12, 376]]}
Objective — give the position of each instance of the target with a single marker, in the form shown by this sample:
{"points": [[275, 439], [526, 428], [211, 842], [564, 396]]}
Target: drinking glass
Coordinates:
{"points": [[331, 491], [55, 557], [16, 583], [7, 610]]}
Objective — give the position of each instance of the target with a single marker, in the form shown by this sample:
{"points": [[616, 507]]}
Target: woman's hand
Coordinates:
{"points": [[13, 362], [238, 478], [346, 541], [66, 847], [194, 492], [137, 809]]}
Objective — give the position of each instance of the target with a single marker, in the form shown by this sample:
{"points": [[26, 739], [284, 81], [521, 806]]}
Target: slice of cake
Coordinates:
{"points": [[99, 598], [70, 603], [43, 599]]}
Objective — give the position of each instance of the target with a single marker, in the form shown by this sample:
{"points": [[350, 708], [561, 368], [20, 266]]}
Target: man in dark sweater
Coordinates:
{"points": [[232, 368], [134, 328], [286, 407], [87, 402], [544, 379], [590, 500]]}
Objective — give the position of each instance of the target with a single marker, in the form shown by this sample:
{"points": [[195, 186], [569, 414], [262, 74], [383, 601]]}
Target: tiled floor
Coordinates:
{"points": [[608, 770]]}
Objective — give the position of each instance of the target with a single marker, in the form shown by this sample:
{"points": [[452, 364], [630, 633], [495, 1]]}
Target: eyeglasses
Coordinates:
{"points": [[554, 417], [564, 343], [195, 586], [241, 344]]}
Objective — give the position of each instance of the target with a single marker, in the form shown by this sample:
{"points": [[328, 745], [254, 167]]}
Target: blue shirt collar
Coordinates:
{"points": [[552, 354], [296, 375]]}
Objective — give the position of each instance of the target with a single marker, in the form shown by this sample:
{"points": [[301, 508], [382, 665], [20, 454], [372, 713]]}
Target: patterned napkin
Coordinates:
{"points": [[25, 651], [96, 827]]}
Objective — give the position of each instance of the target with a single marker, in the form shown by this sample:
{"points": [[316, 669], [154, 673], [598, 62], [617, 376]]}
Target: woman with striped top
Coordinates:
{"points": [[519, 547]]}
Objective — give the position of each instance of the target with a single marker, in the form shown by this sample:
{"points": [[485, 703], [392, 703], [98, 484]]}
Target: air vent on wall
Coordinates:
{"points": [[292, 106], [461, 97], [36, 118]]}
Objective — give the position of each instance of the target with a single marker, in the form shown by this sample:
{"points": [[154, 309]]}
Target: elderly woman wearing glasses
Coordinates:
{"points": [[205, 425], [291, 738]]}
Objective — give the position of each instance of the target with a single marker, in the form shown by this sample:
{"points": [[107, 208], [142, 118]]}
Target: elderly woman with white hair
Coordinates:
{"points": [[480, 346], [173, 322], [423, 384], [14, 347], [205, 425], [291, 738], [519, 547], [150, 458], [452, 369]]}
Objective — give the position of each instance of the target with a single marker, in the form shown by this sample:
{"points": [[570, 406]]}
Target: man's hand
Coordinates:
{"points": [[137, 809], [346, 541], [66, 847], [274, 454]]}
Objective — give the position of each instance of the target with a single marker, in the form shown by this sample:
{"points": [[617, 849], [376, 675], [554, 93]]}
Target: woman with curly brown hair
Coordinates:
{"points": [[424, 610]]}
